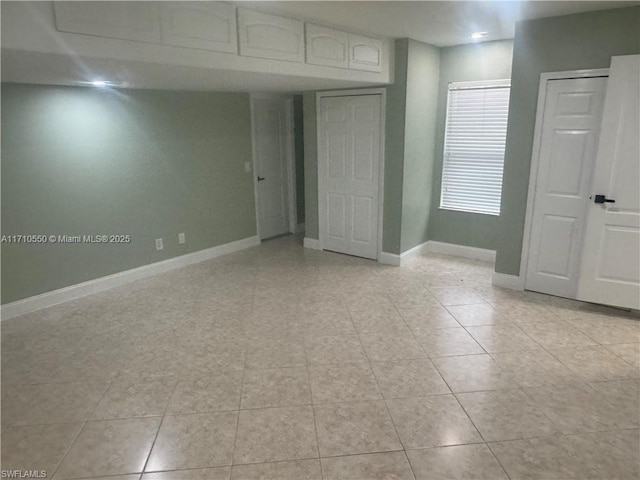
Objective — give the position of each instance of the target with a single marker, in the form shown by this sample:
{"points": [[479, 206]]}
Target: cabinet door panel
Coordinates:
{"points": [[365, 53], [203, 25], [138, 21], [326, 46], [269, 36]]}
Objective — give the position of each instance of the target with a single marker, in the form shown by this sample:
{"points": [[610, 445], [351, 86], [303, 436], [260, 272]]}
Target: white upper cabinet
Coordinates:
{"points": [[126, 20], [326, 46], [365, 53], [269, 36], [203, 25]]}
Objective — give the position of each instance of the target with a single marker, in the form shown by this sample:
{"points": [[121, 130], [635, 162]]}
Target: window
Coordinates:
{"points": [[476, 130]]}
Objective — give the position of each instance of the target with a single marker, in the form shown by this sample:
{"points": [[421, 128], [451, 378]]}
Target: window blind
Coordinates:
{"points": [[476, 130]]}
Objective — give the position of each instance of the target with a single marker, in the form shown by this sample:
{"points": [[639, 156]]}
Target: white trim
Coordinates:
{"points": [[504, 280], [413, 252], [299, 228], [289, 148], [535, 156], [311, 243], [48, 299], [254, 158], [464, 251], [506, 82], [383, 115], [390, 259]]}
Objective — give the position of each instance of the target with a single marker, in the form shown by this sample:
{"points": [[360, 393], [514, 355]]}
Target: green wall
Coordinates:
{"points": [[423, 70], [310, 165], [97, 161], [299, 154], [464, 63], [396, 112], [572, 42]]}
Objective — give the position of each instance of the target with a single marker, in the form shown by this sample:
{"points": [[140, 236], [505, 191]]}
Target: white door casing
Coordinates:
{"points": [[272, 165], [611, 254], [349, 163], [567, 152]]}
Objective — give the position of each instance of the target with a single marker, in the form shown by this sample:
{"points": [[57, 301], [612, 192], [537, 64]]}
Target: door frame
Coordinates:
{"points": [[383, 105], [535, 156], [290, 160]]}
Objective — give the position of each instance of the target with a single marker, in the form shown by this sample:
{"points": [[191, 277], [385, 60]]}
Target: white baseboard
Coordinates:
{"points": [[514, 282], [390, 259], [72, 292], [312, 243], [413, 252], [464, 251], [473, 253], [299, 228]]}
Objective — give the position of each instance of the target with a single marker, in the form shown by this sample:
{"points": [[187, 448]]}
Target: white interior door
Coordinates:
{"points": [[568, 147], [270, 152], [611, 255], [349, 173]]}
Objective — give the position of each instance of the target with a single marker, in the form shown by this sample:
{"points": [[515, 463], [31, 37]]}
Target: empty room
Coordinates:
{"points": [[353, 240]]}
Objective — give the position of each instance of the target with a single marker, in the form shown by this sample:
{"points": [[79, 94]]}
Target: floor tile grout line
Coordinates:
{"points": [[386, 406], [498, 460], [235, 437], [89, 415], [155, 438], [244, 371], [313, 414], [55, 470]]}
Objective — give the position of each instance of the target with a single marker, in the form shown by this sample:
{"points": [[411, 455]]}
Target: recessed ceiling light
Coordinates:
{"points": [[99, 83], [478, 35]]}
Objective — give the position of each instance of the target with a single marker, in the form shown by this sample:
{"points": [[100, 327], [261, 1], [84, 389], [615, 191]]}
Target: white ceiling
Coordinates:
{"points": [[438, 23]]}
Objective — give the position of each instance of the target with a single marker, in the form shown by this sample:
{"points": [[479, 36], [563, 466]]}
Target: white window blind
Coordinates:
{"points": [[476, 130]]}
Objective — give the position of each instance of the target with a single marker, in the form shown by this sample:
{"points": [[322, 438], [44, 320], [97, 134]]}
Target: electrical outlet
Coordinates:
{"points": [[247, 167], [159, 244], [181, 238]]}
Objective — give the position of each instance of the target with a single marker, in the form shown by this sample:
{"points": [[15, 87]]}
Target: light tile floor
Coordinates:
{"points": [[284, 363]]}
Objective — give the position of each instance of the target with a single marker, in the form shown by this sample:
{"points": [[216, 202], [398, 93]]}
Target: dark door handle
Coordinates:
{"points": [[261, 179], [603, 199]]}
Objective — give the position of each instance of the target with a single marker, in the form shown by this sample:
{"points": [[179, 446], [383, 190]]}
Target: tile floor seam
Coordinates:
{"points": [[315, 425], [155, 438], [235, 437], [498, 460], [71, 444], [386, 406]]}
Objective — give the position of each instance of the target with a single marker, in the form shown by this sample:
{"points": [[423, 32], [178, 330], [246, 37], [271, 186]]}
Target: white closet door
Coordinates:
{"points": [[570, 129], [349, 174], [611, 256]]}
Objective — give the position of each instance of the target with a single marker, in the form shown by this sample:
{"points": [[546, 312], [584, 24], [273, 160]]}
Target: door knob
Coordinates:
{"points": [[261, 179], [603, 199]]}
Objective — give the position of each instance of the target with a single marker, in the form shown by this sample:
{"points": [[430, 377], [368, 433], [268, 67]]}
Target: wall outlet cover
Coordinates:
{"points": [[159, 244], [182, 238]]}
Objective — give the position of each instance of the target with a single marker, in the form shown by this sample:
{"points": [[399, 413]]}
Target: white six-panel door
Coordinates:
{"points": [[568, 147], [349, 159], [611, 253], [270, 151]]}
